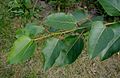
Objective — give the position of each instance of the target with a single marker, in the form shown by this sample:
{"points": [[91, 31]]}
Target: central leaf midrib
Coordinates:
{"points": [[21, 49], [112, 43], [98, 39], [114, 6], [72, 22], [25, 48], [53, 51], [71, 47]]}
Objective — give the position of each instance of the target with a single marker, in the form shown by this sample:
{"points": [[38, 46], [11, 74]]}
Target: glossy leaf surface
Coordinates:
{"points": [[51, 51], [73, 48]]}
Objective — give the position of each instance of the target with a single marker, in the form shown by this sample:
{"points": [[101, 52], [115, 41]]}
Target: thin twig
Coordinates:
{"points": [[59, 33], [110, 23]]}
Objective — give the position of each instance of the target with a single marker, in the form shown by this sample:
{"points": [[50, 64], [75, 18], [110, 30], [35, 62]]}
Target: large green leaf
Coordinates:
{"points": [[51, 51], [98, 38], [73, 48], [22, 49], [114, 45], [112, 7], [61, 21], [103, 40]]}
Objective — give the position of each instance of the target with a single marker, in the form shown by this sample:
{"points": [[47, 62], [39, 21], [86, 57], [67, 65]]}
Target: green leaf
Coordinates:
{"points": [[98, 39], [73, 48], [114, 44], [51, 51], [21, 32], [88, 23], [34, 29], [30, 30], [112, 7], [80, 15], [61, 21], [97, 18], [23, 48], [103, 40]]}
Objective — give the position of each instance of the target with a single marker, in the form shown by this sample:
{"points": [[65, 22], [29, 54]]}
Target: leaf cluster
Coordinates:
{"points": [[63, 35]]}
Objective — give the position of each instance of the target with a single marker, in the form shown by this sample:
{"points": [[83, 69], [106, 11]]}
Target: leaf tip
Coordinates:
{"points": [[90, 56], [102, 59], [46, 68]]}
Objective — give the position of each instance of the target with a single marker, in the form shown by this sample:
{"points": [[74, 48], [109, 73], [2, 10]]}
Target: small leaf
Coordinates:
{"points": [[88, 23], [61, 21], [51, 51], [21, 32], [73, 48], [34, 29], [97, 18], [30, 30], [79, 15], [112, 7], [23, 48]]}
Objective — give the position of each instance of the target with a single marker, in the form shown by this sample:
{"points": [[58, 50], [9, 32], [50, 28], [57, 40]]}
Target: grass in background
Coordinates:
{"points": [[82, 68]]}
